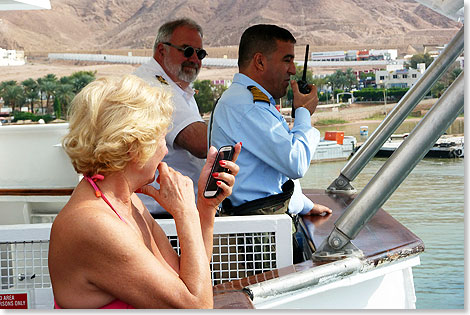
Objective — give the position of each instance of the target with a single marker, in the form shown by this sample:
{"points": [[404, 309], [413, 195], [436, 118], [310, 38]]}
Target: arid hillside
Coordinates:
{"points": [[131, 24]]}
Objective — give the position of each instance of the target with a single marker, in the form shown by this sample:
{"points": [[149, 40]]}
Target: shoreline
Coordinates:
{"points": [[357, 113], [375, 121]]}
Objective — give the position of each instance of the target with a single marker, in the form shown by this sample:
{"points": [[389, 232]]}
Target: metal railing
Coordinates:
{"points": [[395, 170], [342, 184], [403, 160]]}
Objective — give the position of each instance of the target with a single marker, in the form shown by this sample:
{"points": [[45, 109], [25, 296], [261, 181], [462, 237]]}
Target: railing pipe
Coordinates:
{"points": [[394, 119], [399, 165]]}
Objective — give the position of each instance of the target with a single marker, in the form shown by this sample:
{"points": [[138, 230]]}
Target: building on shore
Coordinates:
{"points": [[383, 54], [355, 55], [11, 57], [328, 56], [399, 77]]}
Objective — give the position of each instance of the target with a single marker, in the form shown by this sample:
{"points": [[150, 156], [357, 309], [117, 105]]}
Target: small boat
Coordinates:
{"points": [[334, 146], [445, 147]]}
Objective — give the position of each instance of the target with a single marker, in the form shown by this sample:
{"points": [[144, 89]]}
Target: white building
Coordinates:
{"points": [[328, 56], [398, 78], [385, 54], [395, 66], [11, 57], [353, 55]]}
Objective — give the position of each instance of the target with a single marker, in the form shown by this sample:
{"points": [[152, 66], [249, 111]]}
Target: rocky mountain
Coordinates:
{"points": [[132, 24]]}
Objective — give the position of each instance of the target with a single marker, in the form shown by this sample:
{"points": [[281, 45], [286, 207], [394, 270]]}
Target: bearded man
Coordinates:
{"points": [[177, 59]]}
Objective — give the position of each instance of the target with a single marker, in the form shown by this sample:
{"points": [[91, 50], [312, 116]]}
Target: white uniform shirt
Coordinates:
{"points": [[185, 112]]}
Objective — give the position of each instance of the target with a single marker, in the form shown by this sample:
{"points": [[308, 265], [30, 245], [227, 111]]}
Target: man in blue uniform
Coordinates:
{"points": [[272, 153]]}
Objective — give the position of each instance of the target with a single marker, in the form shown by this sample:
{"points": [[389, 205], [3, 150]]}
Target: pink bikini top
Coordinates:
{"points": [[116, 304], [98, 192]]}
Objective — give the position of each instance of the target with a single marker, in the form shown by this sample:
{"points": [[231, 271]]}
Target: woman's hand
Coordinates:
{"points": [[225, 181], [176, 193]]}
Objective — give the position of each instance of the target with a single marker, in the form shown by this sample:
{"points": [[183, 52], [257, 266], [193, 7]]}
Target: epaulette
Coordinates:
{"points": [[161, 79], [258, 96]]}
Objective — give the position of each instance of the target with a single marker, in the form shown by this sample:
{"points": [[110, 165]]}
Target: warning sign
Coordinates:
{"points": [[14, 301]]}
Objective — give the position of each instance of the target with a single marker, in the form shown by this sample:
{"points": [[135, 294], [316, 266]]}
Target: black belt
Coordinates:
{"points": [[274, 204]]}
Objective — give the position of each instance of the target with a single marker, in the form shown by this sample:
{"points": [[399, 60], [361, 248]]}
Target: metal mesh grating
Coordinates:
{"points": [[24, 265], [239, 255], [243, 246]]}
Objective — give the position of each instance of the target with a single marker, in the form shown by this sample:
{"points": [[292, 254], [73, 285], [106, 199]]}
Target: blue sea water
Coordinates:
{"points": [[429, 202]]}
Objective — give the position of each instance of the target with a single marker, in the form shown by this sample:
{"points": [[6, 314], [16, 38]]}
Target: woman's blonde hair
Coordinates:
{"points": [[114, 120]]}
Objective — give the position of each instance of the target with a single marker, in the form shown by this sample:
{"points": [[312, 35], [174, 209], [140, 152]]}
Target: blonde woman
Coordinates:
{"points": [[106, 250]]}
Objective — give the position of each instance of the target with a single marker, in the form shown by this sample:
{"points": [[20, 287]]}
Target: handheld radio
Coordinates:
{"points": [[303, 85]]}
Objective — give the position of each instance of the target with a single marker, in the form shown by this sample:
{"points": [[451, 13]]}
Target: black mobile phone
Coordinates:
{"points": [[225, 153], [303, 84]]}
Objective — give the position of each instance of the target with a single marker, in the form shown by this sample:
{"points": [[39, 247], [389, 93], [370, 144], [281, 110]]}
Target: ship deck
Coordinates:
{"points": [[382, 240]]}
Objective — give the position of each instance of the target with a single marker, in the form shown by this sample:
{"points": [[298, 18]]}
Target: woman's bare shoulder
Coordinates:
{"points": [[85, 236], [83, 221]]}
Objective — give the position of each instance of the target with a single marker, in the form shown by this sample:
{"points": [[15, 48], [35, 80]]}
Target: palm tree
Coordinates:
{"points": [[63, 95], [49, 87], [31, 91], [336, 79], [342, 79], [350, 78], [50, 77], [419, 58], [13, 95], [40, 82], [65, 80], [80, 79], [3, 84]]}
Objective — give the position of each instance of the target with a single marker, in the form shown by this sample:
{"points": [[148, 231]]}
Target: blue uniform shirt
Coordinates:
{"points": [[271, 152]]}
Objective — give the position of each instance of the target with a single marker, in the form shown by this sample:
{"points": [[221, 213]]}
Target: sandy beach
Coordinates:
{"points": [[40, 67]]}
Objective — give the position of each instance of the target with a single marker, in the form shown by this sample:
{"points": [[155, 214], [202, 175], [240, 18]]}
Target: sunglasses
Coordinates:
{"points": [[189, 51]]}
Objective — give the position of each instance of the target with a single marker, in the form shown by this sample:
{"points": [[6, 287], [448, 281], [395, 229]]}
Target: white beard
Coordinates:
{"points": [[177, 70]]}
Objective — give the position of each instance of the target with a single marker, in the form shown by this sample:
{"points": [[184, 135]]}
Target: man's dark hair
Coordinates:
{"points": [[260, 38]]}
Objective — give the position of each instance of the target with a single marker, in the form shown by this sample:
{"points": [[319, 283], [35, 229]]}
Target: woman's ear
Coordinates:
{"points": [[132, 154]]}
